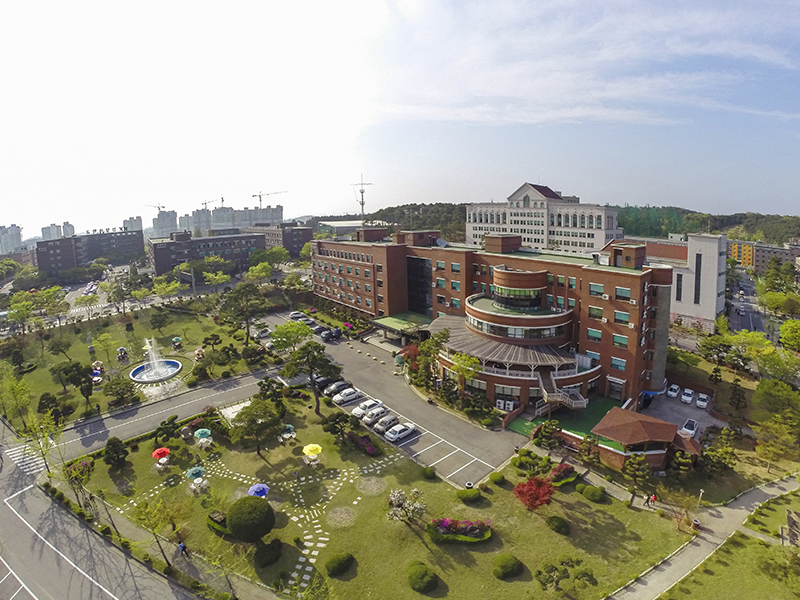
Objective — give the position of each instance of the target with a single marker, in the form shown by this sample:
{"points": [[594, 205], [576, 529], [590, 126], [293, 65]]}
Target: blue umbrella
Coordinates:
{"points": [[202, 433], [287, 428], [259, 489], [195, 472]]}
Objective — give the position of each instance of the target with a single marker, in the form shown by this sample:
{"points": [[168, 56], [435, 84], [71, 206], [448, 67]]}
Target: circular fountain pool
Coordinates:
{"points": [[154, 372]]}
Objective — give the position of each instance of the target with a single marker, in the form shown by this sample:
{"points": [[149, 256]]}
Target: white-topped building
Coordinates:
{"points": [[546, 220], [10, 238]]}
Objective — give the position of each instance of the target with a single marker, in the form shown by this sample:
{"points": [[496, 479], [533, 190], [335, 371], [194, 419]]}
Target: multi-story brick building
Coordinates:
{"points": [[756, 255], [546, 326], [286, 235], [167, 253], [545, 219], [65, 253]]}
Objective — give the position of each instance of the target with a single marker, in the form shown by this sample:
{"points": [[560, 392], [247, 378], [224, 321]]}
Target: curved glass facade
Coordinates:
{"points": [[517, 333], [517, 299]]}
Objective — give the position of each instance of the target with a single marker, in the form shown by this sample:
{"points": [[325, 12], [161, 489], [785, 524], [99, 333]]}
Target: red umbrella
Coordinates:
{"points": [[160, 453]]}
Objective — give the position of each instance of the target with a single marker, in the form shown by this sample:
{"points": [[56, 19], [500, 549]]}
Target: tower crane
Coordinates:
{"points": [[158, 206], [205, 203], [361, 201], [260, 194]]}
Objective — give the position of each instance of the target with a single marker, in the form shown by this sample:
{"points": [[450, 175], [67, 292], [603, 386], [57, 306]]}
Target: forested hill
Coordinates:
{"points": [[450, 219], [658, 221]]}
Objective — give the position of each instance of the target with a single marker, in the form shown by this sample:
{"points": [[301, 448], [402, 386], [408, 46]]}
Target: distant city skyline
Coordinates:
{"points": [[112, 110]]}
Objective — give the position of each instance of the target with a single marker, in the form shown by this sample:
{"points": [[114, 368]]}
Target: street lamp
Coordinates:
{"points": [[700, 499]]}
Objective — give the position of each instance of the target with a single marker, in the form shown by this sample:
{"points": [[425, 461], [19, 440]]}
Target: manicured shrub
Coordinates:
{"points": [[46, 485], [595, 494], [59, 496], [250, 518], [484, 487], [226, 374], [660, 512], [428, 473], [524, 452], [487, 422], [298, 541], [506, 565], [628, 504], [580, 487], [454, 531], [125, 544], [421, 577], [558, 524], [497, 478], [338, 564], [468, 496], [609, 478], [268, 554], [191, 382], [168, 570], [562, 473], [80, 513]]}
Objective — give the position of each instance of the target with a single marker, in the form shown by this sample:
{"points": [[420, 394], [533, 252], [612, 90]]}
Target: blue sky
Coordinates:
{"points": [[109, 108]]}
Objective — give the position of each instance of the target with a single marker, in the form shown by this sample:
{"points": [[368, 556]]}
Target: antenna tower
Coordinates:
{"points": [[361, 201]]}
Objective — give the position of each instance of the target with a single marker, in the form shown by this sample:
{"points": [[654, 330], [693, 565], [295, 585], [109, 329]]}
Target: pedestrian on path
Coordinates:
{"points": [[653, 500], [97, 406], [184, 551], [647, 500]]}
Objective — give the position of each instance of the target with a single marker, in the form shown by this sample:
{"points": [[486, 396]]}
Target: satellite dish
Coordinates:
{"points": [[441, 242]]}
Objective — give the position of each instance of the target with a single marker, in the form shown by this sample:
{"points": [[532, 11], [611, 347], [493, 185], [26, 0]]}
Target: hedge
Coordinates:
{"points": [[497, 478], [421, 577], [506, 565], [250, 518], [558, 524], [580, 487], [472, 495], [428, 473], [338, 564], [454, 538], [595, 494]]}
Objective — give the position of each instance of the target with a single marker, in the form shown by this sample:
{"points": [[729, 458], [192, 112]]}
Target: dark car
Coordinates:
{"points": [[337, 387], [322, 382], [326, 336], [336, 333], [318, 329]]}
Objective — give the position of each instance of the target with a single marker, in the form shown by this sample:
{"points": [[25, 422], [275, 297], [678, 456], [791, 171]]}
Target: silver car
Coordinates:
{"points": [[386, 423], [375, 414]]}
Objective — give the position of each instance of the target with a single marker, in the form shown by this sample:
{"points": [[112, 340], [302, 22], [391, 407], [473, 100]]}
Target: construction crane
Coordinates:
{"points": [[361, 201], [260, 194], [158, 206], [205, 203]]}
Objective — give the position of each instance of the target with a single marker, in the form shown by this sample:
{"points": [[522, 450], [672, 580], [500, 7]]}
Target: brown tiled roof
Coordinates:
{"points": [[545, 191], [687, 445], [628, 427]]}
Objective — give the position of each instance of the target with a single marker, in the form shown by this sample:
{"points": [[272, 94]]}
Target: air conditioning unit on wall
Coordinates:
{"points": [[632, 325], [604, 320], [604, 296], [633, 302], [447, 304], [433, 284]]}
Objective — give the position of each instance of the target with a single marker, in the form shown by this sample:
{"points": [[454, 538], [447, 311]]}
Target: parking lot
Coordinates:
{"points": [[11, 586], [673, 410]]}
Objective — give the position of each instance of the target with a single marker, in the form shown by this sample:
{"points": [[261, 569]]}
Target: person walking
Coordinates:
{"points": [[184, 551], [97, 406], [647, 500]]}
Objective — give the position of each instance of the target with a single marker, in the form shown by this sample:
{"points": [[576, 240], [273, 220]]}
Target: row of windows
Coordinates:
{"points": [[454, 267], [527, 333], [360, 256], [454, 302], [454, 285], [341, 268]]}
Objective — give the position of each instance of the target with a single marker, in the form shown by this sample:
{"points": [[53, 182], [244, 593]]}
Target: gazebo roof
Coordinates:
{"points": [[465, 341], [628, 427]]}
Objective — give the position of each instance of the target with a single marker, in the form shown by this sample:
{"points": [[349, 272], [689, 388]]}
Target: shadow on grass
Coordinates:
{"points": [[350, 574], [597, 531]]}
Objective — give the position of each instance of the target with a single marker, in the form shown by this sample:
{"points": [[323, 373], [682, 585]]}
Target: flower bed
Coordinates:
{"points": [[365, 443], [562, 473], [443, 531]]}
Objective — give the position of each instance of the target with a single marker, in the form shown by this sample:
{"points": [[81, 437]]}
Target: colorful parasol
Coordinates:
{"points": [[259, 489], [160, 452], [312, 449], [202, 433]]}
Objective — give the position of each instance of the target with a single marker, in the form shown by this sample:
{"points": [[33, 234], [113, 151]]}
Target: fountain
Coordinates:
{"points": [[155, 368]]}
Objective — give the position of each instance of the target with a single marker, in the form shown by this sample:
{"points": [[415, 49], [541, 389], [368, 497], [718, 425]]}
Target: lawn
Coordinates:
{"points": [[346, 497], [742, 567], [771, 515]]}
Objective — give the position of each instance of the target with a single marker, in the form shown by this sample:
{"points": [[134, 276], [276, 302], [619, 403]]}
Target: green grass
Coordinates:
{"points": [[615, 542], [742, 567], [772, 514]]}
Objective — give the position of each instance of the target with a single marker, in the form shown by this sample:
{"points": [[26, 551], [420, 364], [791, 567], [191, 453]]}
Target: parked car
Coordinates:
{"points": [[337, 387], [375, 414], [325, 336], [296, 315], [366, 406], [741, 311], [321, 382], [400, 431], [702, 400], [687, 396], [309, 322], [336, 333], [318, 329], [346, 396], [264, 333], [689, 428], [673, 391], [386, 423]]}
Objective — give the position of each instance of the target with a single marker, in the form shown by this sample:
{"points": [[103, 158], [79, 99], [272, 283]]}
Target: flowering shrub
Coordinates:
{"points": [[348, 325], [562, 473], [364, 442], [459, 527]]}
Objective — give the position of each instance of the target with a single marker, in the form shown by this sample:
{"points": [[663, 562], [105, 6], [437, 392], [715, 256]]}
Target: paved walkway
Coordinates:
{"points": [[717, 524]]}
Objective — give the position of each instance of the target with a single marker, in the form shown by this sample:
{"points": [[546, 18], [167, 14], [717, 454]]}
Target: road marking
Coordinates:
{"points": [[56, 550], [26, 458], [421, 433], [441, 459], [464, 467], [428, 448], [21, 583]]}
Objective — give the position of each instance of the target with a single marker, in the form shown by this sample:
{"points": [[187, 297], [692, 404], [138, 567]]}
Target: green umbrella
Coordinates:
{"points": [[202, 433]]}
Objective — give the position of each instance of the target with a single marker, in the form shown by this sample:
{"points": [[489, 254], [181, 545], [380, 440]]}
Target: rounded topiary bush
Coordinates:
{"points": [[558, 524], [268, 554], [580, 487], [595, 494], [338, 564], [497, 478], [506, 565], [250, 518], [428, 473], [472, 495], [421, 577]]}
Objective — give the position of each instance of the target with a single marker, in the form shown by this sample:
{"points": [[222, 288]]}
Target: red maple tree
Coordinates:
{"points": [[534, 493]]}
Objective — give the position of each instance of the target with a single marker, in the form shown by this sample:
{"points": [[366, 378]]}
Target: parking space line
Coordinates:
{"points": [[441, 459], [464, 467], [412, 439], [21, 583], [428, 448]]}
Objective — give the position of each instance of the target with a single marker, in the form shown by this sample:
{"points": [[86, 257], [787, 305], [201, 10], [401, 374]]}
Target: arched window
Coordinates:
{"points": [[583, 221], [574, 219], [591, 221], [599, 221], [552, 219], [526, 201], [559, 219], [504, 218]]}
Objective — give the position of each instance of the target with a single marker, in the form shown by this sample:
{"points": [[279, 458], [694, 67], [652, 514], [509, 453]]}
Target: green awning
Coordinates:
{"points": [[402, 322]]}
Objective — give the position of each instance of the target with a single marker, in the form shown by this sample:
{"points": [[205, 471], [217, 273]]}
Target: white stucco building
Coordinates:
{"points": [[545, 219]]}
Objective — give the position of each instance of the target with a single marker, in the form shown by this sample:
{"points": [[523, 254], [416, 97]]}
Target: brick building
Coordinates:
{"points": [[167, 253], [65, 253], [287, 235], [547, 327]]}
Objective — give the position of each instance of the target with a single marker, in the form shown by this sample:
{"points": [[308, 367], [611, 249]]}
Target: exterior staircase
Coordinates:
{"points": [[572, 399]]}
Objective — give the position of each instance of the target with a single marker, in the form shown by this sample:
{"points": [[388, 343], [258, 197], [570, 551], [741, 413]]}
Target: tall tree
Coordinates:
{"points": [[216, 279], [736, 399], [159, 319], [19, 311], [259, 273], [87, 302], [790, 334], [256, 422], [466, 367], [290, 335], [241, 306], [310, 359], [636, 469], [777, 438], [151, 516], [59, 346]]}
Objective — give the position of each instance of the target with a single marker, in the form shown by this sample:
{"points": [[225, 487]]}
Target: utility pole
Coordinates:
{"points": [[361, 202]]}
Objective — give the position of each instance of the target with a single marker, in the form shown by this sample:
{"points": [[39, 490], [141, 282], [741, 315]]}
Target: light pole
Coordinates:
{"points": [[700, 499]]}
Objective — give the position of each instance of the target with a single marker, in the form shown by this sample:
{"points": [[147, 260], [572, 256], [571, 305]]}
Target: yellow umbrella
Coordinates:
{"points": [[312, 449]]}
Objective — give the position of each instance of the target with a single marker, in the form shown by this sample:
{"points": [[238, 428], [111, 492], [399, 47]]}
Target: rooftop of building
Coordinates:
{"points": [[629, 428], [486, 304]]}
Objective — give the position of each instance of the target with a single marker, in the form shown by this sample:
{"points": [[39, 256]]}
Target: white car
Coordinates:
{"points": [[374, 415], [673, 391], [296, 315], [346, 396], [400, 431], [385, 423], [687, 396], [366, 406], [689, 428], [702, 400]]}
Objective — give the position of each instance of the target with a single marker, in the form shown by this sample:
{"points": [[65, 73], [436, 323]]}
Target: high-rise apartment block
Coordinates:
{"points": [[165, 223], [132, 224], [51, 232], [225, 217], [543, 219], [10, 239]]}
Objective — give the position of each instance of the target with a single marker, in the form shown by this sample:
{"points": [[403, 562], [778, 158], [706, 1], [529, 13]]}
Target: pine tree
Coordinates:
{"points": [[682, 463], [736, 399], [588, 453], [715, 377], [636, 469]]}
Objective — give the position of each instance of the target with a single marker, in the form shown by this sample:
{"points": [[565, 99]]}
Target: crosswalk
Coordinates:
{"points": [[26, 458]]}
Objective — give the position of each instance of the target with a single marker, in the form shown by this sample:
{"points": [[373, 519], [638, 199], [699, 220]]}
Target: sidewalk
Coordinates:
{"points": [[718, 523]]}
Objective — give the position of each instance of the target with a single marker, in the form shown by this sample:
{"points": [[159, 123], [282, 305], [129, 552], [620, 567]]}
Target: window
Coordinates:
{"points": [[595, 312], [350, 270], [622, 293], [369, 303], [571, 283], [380, 283], [455, 285], [366, 273], [380, 298], [483, 288], [617, 363], [595, 289], [350, 297], [571, 302], [439, 299], [358, 271], [560, 301], [367, 287], [678, 287], [456, 303], [698, 269], [358, 299], [594, 335], [440, 265], [549, 299], [561, 281], [349, 283], [483, 269], [621, 317], [379, 268], [474, 286], [620, 341], [455, 267], [549, 279], [593, 355], [439, 282]]}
